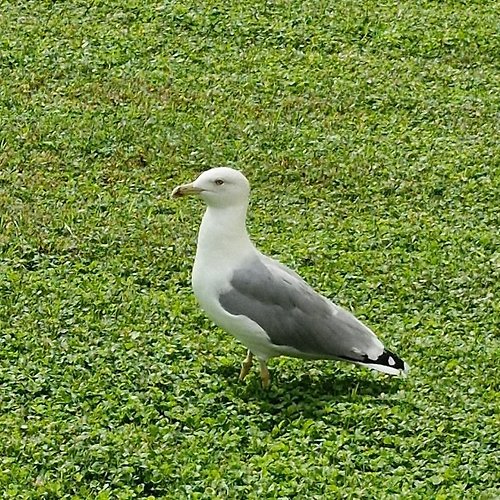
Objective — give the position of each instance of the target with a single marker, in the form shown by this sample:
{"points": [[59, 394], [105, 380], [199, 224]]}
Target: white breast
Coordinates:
{"points": [[216, 259]]}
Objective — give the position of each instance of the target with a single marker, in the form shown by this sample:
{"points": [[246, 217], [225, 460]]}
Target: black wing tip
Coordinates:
{"points": [[388, 358], [387, 362]]}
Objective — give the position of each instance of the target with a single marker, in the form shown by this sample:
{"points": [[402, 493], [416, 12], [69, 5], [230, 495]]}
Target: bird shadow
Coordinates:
{"points": [[310, 391]]}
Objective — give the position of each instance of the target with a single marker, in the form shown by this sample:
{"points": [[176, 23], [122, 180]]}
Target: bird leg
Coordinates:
{"points": [[246, 365], [264, 374]]}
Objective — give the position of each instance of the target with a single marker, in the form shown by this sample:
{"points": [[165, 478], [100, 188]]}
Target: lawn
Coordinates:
{"points": [[369, 131]]}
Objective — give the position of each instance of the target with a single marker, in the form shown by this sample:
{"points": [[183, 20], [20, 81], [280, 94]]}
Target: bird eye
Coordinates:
{"points": [[219, 182]]}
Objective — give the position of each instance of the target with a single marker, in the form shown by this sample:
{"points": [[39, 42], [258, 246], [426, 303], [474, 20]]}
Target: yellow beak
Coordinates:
{"points": [[185, 190]]}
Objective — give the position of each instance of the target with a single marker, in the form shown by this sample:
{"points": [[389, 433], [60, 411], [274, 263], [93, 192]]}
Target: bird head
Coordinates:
{"points": [[218, 187]]}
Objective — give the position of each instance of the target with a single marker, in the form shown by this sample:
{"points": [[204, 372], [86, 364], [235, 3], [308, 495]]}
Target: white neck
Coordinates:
{"points": [[223, 231]]}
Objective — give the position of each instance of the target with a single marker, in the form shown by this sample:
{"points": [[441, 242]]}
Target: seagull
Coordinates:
{"points": [[268, 307]]}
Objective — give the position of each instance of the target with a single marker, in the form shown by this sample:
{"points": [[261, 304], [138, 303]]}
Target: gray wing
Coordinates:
{"points": [[294, 315]]}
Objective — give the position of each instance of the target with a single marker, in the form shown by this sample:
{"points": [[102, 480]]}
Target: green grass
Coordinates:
{"points": [[369, 131]]}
